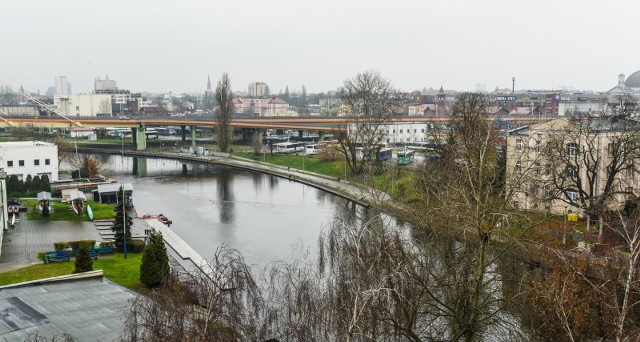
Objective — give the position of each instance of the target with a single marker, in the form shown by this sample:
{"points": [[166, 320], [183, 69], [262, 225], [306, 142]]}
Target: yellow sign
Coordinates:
{"points": [[573, 217]]}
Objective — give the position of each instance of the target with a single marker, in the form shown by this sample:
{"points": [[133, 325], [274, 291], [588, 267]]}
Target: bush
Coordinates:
{"points": [[59, 246], [138, 246], [76, 245], [83, 261], [42, 256]]}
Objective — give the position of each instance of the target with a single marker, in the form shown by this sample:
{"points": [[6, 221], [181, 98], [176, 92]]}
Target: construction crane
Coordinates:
{"points": [[40, 103]]}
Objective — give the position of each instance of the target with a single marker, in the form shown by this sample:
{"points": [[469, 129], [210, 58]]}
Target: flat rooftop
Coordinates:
{"points": [[87, 309]]}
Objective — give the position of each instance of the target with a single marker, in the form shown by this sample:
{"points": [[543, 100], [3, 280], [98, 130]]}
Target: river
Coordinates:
{"points": [[265, 217]]}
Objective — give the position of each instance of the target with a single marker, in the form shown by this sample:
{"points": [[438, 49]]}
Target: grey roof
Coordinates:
{"points": [[76, 194], [44, 196], [115, 187], [633, 81], [88, 310]]}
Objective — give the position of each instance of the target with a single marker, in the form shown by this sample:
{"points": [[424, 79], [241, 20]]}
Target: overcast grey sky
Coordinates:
{"points": [[172, 45]]}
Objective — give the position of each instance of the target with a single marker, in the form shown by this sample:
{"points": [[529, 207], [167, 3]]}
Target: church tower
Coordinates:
{"points": [[209, 96]]}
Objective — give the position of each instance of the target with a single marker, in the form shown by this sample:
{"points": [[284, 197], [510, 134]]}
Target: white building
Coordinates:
{"points": [[83, 104], [257, 89], [35, 158], [261, 107], [405, 132], [61, 85], [105, 84]]}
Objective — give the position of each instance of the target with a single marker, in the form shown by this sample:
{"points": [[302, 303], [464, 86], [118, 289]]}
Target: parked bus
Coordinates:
{"points": [[385, 154], [406, 157], [314, 149], [289, 147]]}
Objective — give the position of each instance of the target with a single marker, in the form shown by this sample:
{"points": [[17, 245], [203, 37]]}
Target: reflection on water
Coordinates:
{"points": [[265, 217]]}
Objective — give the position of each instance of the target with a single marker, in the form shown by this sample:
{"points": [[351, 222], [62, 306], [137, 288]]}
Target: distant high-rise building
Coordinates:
{"points": [[106, 84], [258, 89], [62, 86]]}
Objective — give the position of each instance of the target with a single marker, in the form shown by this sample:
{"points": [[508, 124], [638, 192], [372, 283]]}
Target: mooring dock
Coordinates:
{"points": [[180, 246]]}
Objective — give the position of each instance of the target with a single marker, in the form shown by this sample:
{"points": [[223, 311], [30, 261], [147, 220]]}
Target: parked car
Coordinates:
{"points": [[125, 117]]}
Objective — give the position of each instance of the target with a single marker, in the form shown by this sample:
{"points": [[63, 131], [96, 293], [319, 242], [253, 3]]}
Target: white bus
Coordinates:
{"points": [[289, 147], [314, 149]]}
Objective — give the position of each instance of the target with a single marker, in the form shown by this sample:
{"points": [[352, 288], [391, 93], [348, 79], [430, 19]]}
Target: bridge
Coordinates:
{"points": [[248, 125]]}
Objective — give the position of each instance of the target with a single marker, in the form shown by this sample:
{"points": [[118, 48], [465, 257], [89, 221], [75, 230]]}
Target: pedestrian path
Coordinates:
{"points": [[180, 246]]}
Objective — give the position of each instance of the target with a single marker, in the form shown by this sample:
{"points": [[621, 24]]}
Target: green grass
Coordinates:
{"points": [[125, 272], [311, 163], [63, 211]]}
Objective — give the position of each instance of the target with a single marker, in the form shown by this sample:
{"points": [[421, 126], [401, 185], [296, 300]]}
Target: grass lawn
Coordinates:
{"points": [[63, 212], [311, 163], [125, 272]]}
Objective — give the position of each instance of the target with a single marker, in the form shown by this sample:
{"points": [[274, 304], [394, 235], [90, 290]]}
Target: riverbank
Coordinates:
{"points": [[339, 187]]}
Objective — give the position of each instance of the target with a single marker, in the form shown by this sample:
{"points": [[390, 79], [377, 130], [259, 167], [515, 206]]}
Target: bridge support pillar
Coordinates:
{"points": [[300, 133], [279, 131], [183, 130], [193, 136], [140, 138], [321, 135]]}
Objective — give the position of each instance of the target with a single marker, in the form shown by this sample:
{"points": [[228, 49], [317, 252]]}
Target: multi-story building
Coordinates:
{"points": [[562, 165], [62, 86], [261, 106], [83, 104], [106, 84], [258, 89], [35, 158]]}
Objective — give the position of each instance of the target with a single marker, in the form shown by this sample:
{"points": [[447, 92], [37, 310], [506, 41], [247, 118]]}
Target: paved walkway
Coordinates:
{"points": [[21, 245], [179, 246]]}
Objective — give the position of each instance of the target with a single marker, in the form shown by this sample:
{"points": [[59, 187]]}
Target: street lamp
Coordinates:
{"points": [[564, 229], [124, 221]]}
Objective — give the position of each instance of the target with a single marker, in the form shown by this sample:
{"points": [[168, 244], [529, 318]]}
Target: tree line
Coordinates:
{"points": [[28, 187]]}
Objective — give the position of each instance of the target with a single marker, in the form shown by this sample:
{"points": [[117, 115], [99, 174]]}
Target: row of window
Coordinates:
{"points": [[408, 131], [36, 162]]}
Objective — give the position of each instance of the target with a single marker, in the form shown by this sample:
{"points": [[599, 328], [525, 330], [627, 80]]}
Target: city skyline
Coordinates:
{"points": [[174, 46]]}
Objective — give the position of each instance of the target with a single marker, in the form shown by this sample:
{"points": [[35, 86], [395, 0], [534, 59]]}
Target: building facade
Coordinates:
{"points": [[35, 158], [258, 89], [260, 106], [62, 87], [105, 84], [550, 164], [84, 104]]}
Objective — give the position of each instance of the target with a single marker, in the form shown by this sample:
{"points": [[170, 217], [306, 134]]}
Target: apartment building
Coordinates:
{"points": [[566, 165]]}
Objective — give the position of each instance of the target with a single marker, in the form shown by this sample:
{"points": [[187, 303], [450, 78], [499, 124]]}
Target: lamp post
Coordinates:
{"points": [[564, 229], [124, 221]]}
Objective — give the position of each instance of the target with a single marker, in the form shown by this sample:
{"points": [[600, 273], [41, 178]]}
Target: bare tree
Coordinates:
{"points": [[224, 112], [221, 303], [589, 163], [65, 149], [372, 101]]}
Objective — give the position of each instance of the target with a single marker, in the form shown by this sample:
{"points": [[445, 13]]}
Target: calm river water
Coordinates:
{"points": [[266, 218]]}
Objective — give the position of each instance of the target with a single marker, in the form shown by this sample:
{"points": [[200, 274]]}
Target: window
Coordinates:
{"points": [[572, 196], [47, 162], [36, 162], [9, 163], [629, 170], [518, 167], [518, 145], [401, 131], [572, 172], [547, 169], [516, 205], [538, 146], [20, 162], [537, 168], [394, 131], [572, 149], [423, 130], [415, 130], [77, 107]]}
